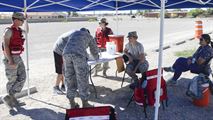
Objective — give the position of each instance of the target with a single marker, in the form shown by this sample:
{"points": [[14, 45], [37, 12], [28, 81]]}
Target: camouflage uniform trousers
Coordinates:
{"points": [[76, 75], [105, 65], [16, 76], [142, 68]]}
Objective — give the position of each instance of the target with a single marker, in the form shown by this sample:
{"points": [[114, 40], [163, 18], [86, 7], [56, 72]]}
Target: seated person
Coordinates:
{"points": [[135, 52], [196, 64]]}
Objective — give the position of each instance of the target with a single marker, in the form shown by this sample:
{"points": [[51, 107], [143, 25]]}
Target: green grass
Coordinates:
{"points": [[185, 53]]}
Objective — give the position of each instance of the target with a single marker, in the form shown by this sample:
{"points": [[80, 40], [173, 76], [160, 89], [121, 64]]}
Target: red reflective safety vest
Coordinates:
{"points": [[16, 41], [102, 36]]}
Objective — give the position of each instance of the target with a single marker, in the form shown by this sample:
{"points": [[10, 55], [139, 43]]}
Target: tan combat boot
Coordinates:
{"points": [[104, 73], [8, 101], [15, 102], [73, 104], [86, 104]]}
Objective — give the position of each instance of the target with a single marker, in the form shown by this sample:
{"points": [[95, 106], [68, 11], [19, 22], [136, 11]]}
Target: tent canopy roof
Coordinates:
{"points": [[89, 5]]}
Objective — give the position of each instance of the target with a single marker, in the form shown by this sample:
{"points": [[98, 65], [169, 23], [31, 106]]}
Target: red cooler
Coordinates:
{"points": [[118, 40]]}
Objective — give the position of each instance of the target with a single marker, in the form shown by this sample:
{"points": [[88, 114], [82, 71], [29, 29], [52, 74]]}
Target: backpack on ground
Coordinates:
{"points": [[197, 85]]}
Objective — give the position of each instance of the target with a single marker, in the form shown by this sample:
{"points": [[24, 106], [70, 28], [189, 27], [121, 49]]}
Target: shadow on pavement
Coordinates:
{"points": [[119, 99], [40, 114]]}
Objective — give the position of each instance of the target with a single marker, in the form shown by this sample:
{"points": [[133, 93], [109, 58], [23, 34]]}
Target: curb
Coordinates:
{"points": [[164, 48], [180, 42]]}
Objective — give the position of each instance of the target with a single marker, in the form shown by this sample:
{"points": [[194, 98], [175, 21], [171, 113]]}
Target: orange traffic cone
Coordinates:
{"points": [[198, 29]]}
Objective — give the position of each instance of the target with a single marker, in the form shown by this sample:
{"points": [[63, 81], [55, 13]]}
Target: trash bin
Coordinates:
{"points": [[204, 101], [118, 40]]}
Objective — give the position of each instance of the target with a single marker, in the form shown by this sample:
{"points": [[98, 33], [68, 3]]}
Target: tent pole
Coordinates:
{"points": [[27, 54], [160, 56], [116, 9]]}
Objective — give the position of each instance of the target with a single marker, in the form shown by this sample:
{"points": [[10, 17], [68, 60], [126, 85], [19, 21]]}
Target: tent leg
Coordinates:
{"points": [[27, 54], [160, 55]]}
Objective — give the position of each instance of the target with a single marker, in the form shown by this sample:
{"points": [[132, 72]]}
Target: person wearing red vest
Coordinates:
{"points": [[101, 36], [12, 47]]}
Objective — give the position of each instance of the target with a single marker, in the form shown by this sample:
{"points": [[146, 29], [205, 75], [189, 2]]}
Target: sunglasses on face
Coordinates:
{"points": [[130, 38], [201, 39], [20, 19]]}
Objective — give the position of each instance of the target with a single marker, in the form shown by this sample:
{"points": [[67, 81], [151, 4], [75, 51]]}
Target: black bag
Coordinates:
{"points": [[91, 113]]}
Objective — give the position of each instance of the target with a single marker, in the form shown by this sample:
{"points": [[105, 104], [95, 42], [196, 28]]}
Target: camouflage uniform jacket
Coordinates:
{"points": [[78, 43]]}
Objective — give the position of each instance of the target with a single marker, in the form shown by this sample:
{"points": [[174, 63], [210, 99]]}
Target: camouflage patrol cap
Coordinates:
{"points": [[132, 34], [18, 15]]}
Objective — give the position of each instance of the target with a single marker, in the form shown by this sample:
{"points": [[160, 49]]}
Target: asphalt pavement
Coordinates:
{"points": [[45, 105]]}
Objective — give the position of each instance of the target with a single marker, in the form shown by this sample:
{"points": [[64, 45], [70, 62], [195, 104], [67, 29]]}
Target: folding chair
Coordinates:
{"points": [[125, 60]]}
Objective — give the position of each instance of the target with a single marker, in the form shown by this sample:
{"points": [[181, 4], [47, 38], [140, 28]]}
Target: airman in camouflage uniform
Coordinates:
{"points": [[12, 47], [76, 68]]}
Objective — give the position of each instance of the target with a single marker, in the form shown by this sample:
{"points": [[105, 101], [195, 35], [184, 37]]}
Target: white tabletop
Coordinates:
{"points": [[105, 57]]}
